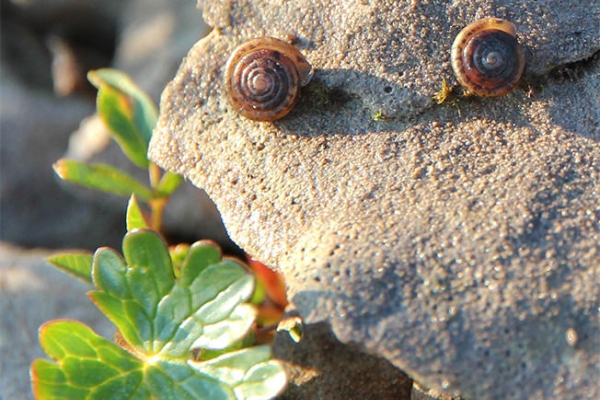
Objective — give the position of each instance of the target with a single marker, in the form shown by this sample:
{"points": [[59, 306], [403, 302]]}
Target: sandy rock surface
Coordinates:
{"points": [[460, 241]]}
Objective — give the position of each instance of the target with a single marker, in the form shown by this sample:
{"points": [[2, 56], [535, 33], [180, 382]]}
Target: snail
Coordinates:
{"points": [[487, 59], [263, 78]]}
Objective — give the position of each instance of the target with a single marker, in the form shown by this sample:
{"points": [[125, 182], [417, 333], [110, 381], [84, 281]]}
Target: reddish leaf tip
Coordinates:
{"points": [[60, 168]]}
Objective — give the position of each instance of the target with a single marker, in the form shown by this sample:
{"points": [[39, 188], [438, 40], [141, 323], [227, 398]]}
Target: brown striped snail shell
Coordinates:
{"points": [[263, 78], [487, 59]]}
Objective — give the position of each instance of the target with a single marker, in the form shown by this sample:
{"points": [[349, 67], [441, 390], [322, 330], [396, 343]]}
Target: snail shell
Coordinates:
{"points": [[263, 78], [487, 59]]}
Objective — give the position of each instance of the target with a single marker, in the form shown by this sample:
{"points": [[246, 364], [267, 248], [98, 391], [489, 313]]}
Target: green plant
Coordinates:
{"points": [[378, 116], [444, 93], [130, 116], [185, 315]]}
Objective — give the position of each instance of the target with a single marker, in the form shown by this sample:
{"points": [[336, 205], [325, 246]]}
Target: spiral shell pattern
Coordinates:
{"points": [[263, 78], [487, 58]]}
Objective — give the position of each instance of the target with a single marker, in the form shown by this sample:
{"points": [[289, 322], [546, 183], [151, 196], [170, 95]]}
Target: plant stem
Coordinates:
{"points": [[154, 172], [157, 204]]}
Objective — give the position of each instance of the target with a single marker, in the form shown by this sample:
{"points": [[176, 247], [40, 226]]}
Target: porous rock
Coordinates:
{"points": [[460, 241]]}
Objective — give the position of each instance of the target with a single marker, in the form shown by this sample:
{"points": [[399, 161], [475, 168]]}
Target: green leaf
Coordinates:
{"points": [[101, 177], [127, 111], [77, 264], [135, 217], [161, 320], [168, 183], [250, 372], [178, 256], [88, 366], [159, 315]]}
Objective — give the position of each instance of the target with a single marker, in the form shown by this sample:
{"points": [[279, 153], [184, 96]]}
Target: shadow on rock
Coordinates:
{"points": [[321, 367]]}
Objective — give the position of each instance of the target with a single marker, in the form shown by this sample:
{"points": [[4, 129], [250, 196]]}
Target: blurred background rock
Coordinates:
{"points": [[47, 112]]}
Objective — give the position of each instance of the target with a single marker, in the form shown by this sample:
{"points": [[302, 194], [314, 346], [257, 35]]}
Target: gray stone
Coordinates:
{"points": [[36, 208], [35, 124], [49, 31], [420, 393], [153, 36], [460, 241], [31, 293]]}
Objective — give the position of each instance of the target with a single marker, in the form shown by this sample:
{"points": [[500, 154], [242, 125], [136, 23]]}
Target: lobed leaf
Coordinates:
{"points": [[159, 315], [161, 319], [90, 367], [87, 366], [250, 372], [127, 111], [101, 177]]}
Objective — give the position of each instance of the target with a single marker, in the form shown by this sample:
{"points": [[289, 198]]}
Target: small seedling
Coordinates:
{"points": [[444, 93], [130, 116], [186, 316], [378, 116]]}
